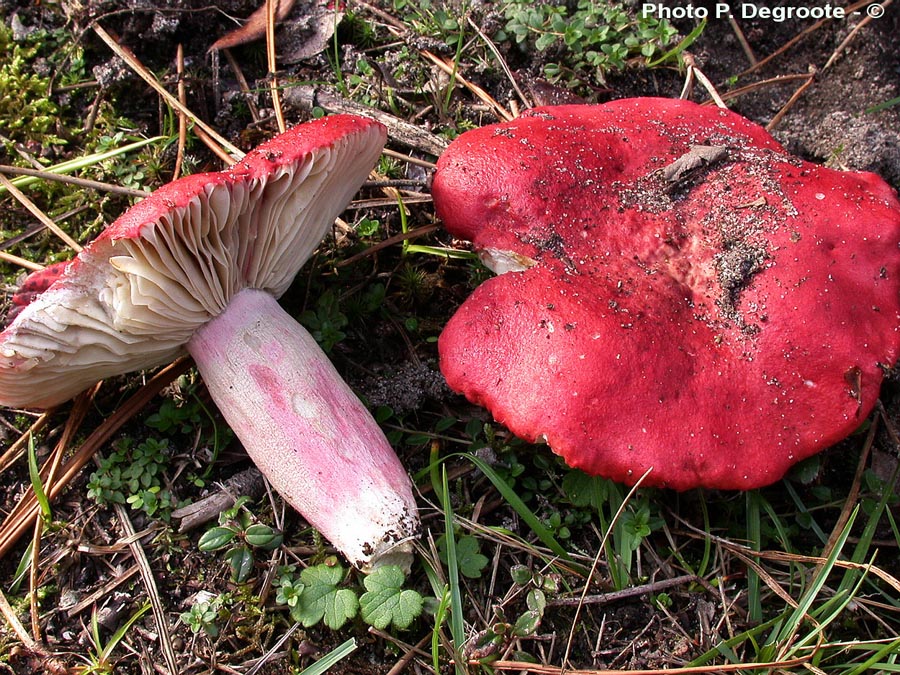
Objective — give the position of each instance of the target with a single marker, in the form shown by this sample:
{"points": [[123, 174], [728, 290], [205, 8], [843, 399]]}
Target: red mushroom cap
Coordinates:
{"points": [[135, 295], [685, 296]]}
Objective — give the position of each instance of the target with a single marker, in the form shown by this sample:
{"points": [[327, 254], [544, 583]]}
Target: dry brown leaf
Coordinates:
{"points": [[254, 28]]}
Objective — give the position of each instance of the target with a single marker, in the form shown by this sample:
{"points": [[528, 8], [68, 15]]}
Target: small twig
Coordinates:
{"points": [[497, 55], [792, 100], [15, 451], [480, 93], [132, 61], [47, 476], [21, 262], [840, 48], [13, 620], [390, 241], [802, 34], [72, 180], [182, 118], [37, 213], [159, 611], [626, 593], [742, 39], [408, 158], [271, 7], [709, 86], [101, 592], [242, 83], [411, 135], [545, 669], [600, 549]]}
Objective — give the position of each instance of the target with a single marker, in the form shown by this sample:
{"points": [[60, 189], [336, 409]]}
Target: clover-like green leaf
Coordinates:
{"points": [[385, 602], [323, 600], [468, 555]]}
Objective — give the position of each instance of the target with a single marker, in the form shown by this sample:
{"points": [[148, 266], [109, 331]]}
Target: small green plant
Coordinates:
{"points": [[99, 659], [206, 613], [321, 594], [133, 475], [238, 533], [326, 322], [495, 639], [627, 532], [595, 37], [469, 557]]}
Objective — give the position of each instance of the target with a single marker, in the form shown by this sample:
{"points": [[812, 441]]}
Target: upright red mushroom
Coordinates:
{"points": [[197, 266], [681, 295]]}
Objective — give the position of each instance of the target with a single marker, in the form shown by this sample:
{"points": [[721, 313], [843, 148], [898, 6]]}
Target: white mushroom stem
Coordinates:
{"points": [[306, 430]]}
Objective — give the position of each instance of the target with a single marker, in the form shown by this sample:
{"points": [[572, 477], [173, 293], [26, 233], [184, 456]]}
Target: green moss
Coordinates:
{"points": [[24, 105]]}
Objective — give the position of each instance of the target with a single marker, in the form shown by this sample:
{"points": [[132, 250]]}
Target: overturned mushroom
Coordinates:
{"points": [[197, 266], [681, 295]]}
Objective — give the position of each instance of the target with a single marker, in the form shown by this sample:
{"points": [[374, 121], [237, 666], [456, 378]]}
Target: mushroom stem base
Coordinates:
{"points": [[306, 430]]}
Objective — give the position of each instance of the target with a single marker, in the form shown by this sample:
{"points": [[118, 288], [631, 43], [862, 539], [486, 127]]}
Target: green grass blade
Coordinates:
{"points": [[72, 165], [754, 537], [525, 513], [34, 474], [340, 652], [440, 617], [785, 638], [681, 46], [457, 626]]}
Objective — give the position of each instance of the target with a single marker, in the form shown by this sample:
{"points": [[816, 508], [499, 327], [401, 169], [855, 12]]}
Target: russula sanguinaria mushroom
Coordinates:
{"points": [[680, 294], [197, 266]]}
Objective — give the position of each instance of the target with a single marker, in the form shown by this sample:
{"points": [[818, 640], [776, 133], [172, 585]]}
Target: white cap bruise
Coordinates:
{"points": [[196, 267]]}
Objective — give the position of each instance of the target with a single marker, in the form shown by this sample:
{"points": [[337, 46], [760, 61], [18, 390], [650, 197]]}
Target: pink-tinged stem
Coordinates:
{"points": [[306, 430]]}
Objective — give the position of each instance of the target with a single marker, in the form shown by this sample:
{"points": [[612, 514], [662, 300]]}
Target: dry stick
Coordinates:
{"points": [[502, 62], [159, 611], [23, 514], [72, 180], [406, 158], [271, 6], [390, 241], [802, 34], [13, 620], [37, 213], [708, 86], [544, 669], [853, 496], [101, 592], [126, 55], [242, 83], [625, 593], [840, 48], [792, 100], [182, 118], [498, 109], [742, 550], [587, 581], [748, 88], [47, 477], [16, 450], [21, 262], [742, 39], [399, 130]]}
